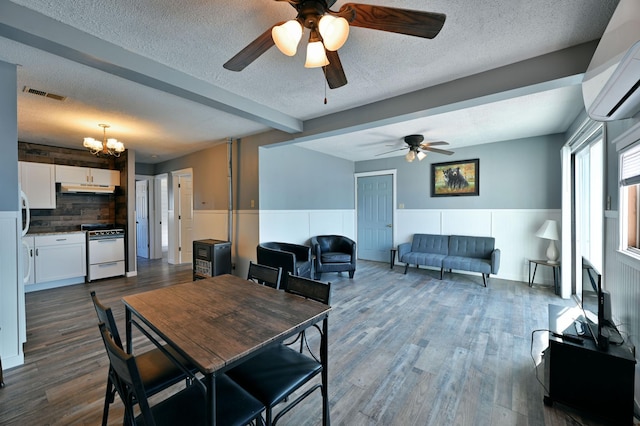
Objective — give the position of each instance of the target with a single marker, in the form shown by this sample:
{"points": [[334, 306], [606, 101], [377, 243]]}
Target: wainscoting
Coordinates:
{"points": [[621, 278], [513, 230]]}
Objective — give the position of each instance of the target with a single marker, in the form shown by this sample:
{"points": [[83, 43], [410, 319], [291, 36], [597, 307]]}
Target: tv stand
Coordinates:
{"points": [[580, 375]]}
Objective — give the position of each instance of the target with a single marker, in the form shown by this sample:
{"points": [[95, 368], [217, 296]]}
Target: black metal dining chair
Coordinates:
{"points": [[234, 406], [158, 368], [274, 374], [266, 275]]}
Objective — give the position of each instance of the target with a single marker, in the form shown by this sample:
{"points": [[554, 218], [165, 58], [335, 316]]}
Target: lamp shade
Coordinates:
{"points": [[287, 36], [548, 230], [316, 55], [334, 31], [421, 155], [410, 156]]}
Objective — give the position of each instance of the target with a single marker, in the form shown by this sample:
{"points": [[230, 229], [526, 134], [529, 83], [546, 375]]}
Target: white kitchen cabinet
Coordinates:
{"points": [[37, 180], [29, 258], [60, 256], [105, 177], [86, 175]]}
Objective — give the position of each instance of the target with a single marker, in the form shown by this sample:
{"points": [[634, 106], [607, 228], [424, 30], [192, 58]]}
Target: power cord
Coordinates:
{"points": [[535, 366]]}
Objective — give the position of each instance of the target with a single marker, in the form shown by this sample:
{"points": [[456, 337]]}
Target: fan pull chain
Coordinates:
{"points": [[324, 70]]}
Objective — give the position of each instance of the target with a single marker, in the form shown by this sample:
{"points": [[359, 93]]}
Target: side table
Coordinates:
{"points": [[393, 258], [556, 272]]}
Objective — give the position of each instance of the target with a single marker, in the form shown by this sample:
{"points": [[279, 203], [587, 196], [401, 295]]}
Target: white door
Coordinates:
{"points": [[375, 217], [142, 218], [185, 218]]}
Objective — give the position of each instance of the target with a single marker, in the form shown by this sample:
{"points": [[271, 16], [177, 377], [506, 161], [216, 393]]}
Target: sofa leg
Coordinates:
{"points": [[441, 273], [484, 279], [351, 273], [406, 267]]}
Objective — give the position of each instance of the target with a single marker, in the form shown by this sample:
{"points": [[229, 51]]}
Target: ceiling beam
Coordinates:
{"points": [[34, 29]]}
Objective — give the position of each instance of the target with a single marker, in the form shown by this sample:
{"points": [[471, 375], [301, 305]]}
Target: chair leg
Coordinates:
{"points": [[406, 267], [484, 279], [351, 273], [441, 272], [109, 397]]}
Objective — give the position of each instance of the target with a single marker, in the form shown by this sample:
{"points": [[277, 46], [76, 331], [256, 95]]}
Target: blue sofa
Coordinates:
{"points": [[464, 253]]}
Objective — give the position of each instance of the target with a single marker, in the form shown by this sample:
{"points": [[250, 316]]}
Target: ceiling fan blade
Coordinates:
{"points": [[252, 51], [334, 71], [439, 151], [403, 21], [434, 143], [389, 152]]}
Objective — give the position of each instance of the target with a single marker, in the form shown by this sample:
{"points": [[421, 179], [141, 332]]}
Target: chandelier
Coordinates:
{"points": [[106, 147]]}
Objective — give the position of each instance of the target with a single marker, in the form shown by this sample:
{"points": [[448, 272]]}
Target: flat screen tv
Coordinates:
{"points": [[592, 301]]}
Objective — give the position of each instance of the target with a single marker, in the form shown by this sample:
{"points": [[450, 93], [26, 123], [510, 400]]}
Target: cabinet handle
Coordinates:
{"points": [[104, 265], [61, 239], [36, 252], [30, 252]]}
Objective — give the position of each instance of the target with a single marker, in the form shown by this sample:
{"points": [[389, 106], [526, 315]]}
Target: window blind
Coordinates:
{"points": [[630, 166]]}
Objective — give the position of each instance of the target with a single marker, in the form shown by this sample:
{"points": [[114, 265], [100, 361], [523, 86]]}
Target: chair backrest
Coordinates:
{"points": [[311, 289], [266, 275], [128, 381], [105, 316]]}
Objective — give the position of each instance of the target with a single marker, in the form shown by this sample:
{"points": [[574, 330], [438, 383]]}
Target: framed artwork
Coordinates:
{"points": [[455, 178]]}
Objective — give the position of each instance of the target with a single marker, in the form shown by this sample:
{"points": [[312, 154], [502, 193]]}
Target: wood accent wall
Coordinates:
{"points": [[72, 210]]}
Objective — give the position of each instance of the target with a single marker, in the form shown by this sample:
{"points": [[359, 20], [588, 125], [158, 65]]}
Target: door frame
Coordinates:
{"points": [[175, 257], [394, 180]]}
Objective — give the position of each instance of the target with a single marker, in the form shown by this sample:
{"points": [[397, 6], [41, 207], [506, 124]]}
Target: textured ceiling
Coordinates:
{"points": [[152, 69]]}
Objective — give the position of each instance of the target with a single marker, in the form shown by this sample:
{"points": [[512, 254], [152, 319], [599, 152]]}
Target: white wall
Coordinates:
{"points": [[513, 230]]}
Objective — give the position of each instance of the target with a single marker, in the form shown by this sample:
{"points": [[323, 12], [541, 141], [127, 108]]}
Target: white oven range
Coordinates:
{"points": [[105, 251]]}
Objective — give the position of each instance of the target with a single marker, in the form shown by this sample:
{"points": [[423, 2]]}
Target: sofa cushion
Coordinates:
{"points": [[476, 247], [426, 259], [470, 264], [430, 243], [335, 257]]}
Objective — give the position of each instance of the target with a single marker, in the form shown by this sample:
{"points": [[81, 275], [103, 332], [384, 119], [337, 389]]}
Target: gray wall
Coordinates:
{"points": [[9, 199], [210, 182], [516, 174], [294, 178]]}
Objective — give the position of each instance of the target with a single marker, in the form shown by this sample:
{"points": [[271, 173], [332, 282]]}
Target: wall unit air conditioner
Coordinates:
{"points": [[610, 87]]}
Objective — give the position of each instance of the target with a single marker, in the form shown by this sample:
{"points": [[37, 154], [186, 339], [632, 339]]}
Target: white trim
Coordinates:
{"points": [[627, 138]]}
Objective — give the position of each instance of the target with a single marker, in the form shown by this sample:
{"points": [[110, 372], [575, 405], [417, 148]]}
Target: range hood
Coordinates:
{"points": [[81, 188]]}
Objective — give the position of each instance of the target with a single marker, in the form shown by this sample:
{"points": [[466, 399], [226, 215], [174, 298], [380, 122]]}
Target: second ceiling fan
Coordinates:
{"points": [[329, 31], [417, 146]]}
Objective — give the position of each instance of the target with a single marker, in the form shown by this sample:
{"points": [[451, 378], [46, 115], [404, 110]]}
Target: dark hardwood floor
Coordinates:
{"points": [[404, 350]]}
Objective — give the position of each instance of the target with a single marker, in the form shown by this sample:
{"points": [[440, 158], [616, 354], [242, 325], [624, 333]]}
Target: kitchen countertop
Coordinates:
{"points": [[33, 234]]}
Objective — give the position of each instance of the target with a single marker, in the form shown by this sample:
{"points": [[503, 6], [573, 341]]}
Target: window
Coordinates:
{"points": [[629, 199]]}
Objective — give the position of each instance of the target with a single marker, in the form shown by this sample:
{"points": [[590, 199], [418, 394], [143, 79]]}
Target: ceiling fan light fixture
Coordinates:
{"points": [[410, 156], [334, 31], [287, 36], [421, 155], [316, 55]]}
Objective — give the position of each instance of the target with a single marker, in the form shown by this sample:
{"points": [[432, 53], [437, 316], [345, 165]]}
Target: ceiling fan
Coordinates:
{"points": [[329, 30], [417, 147]]}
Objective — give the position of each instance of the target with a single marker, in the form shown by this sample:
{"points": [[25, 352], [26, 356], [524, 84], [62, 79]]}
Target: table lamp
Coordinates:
{"points": [[549, 231]]}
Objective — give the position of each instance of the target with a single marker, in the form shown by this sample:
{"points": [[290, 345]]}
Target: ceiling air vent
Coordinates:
{"points": [[43, 93]]}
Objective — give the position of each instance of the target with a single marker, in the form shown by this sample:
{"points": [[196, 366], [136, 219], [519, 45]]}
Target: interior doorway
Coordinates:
{"points": [[142, 218], [375, 213], [181, 218]]}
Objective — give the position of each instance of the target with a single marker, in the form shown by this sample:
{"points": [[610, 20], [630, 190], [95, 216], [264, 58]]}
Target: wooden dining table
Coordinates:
{"points": [[218, 322]]}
